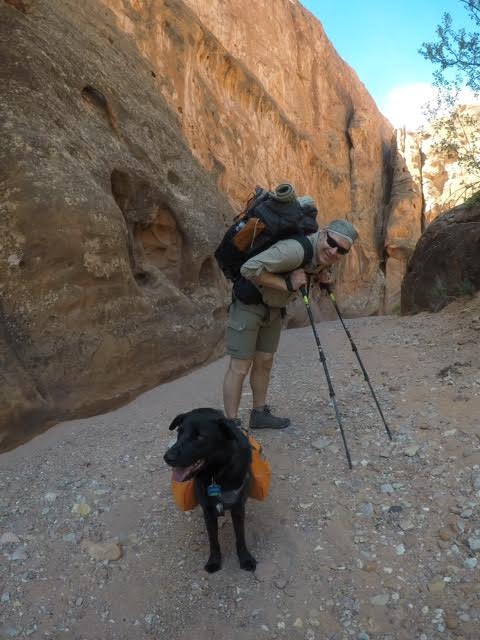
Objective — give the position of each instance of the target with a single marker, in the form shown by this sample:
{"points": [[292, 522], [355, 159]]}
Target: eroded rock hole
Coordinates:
{"points": [[95, 99], [207, 273], [155, 242], [172, 177], [162, 243]]}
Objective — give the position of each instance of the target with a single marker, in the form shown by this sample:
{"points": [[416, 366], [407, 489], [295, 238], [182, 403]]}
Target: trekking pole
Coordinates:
{"points": [[323, 360], [355, 351]]}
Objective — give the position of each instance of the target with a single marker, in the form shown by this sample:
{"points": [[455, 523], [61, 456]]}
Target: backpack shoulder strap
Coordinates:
{"points": [[307, 249]]}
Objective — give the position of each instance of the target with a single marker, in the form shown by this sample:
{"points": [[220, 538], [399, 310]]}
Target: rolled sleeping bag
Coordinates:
{"points": [[285, 192]]}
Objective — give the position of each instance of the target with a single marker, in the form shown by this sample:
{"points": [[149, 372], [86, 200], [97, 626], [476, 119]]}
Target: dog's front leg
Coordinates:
{"points": [[247, 561], [215, 560]]}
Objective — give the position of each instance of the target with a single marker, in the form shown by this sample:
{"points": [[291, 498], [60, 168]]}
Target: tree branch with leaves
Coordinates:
{"points": [[456, 56]]}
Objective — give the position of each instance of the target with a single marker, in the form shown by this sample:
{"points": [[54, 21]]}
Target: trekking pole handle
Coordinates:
{"points": [[325, 286]]}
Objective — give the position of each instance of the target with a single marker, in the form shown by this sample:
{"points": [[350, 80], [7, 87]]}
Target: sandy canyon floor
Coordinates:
{"points": [[92, 547]]}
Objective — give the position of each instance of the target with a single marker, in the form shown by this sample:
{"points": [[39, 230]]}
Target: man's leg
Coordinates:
{"points": [[242, 332], [267, 344], [233, 385], [260, 377]]}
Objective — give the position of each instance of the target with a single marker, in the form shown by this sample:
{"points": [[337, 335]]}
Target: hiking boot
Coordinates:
{"points": [[264, 419]]}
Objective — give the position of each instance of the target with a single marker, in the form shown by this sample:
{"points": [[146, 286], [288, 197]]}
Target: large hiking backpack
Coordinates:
{"points": [[267, 218]]}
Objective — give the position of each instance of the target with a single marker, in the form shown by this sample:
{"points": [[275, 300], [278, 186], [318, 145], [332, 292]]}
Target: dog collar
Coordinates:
{"points": [[227, 498]]}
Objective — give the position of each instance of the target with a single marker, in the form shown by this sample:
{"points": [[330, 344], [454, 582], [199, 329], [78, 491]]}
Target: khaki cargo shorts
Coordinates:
{"points": [[252, 327]]}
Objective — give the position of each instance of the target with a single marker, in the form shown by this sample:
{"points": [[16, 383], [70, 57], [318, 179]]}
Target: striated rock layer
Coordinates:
{"points": [[129, 128]]}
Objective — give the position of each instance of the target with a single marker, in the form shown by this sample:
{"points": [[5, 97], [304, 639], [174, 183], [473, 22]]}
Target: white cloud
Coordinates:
{"points": [[404, 106]]}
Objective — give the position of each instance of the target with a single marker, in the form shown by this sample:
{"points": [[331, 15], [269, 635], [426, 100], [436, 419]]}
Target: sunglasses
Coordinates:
{"points": [[332, 243]]}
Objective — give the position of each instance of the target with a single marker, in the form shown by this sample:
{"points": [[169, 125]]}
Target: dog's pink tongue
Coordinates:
{"points": [[180, 473]]}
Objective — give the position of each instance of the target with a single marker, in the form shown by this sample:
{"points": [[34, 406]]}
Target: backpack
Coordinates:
{"points": [[267, 218]]}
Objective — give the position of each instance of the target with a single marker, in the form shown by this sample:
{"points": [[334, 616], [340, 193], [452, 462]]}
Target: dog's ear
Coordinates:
{"points": [[228, 427], [177, 421]]}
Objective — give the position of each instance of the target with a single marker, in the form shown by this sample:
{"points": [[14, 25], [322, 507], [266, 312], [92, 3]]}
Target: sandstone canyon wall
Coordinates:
{"points": [[403, 223], [131, 131], [262, 97], [107, 223], [445, 182]]}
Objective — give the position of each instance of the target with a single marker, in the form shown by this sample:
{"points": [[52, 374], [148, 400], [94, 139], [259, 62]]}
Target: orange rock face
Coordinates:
{"points": [[262, 97]]}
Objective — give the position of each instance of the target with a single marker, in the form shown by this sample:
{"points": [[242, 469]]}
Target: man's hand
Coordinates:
{"points": [[325, 277], [298, 278]]}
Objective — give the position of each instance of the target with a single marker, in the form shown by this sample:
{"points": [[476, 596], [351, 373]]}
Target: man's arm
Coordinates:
{"points": [[298, 278], [284, 257]]}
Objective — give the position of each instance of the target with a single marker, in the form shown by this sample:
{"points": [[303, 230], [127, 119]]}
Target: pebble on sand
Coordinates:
{"points": [[102, 550]]}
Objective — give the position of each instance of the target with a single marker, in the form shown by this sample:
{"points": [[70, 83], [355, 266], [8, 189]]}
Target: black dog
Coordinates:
{"points": [[212, 449]]}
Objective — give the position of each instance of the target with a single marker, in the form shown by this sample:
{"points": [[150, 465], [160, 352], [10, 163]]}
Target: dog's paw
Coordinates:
{"points": [[214, 564], [247, 562]]}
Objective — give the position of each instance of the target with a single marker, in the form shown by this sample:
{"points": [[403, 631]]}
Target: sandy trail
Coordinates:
{"points": [[387, 551]]}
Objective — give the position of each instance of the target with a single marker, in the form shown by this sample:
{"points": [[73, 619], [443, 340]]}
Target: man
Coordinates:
{"points": [[253, 330]]}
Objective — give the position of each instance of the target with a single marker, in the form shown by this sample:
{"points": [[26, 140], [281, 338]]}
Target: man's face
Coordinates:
{"points": [[331, 247]]}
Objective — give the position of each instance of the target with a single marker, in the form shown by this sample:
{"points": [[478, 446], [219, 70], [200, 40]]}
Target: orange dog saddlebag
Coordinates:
{"points": [[260, 471], [185, 495]]}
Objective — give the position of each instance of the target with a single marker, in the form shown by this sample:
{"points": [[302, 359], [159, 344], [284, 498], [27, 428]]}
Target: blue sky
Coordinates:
{"points": [[380, 39]]}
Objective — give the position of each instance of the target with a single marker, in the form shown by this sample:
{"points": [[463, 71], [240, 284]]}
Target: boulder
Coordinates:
{"points": [[446, 261]]}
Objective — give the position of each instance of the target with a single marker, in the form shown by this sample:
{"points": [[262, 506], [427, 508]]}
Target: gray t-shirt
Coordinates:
{"points": [[282, 257]]}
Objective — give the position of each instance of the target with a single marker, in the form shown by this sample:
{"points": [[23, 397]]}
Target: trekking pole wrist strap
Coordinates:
{"points": [[288, 282]]}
